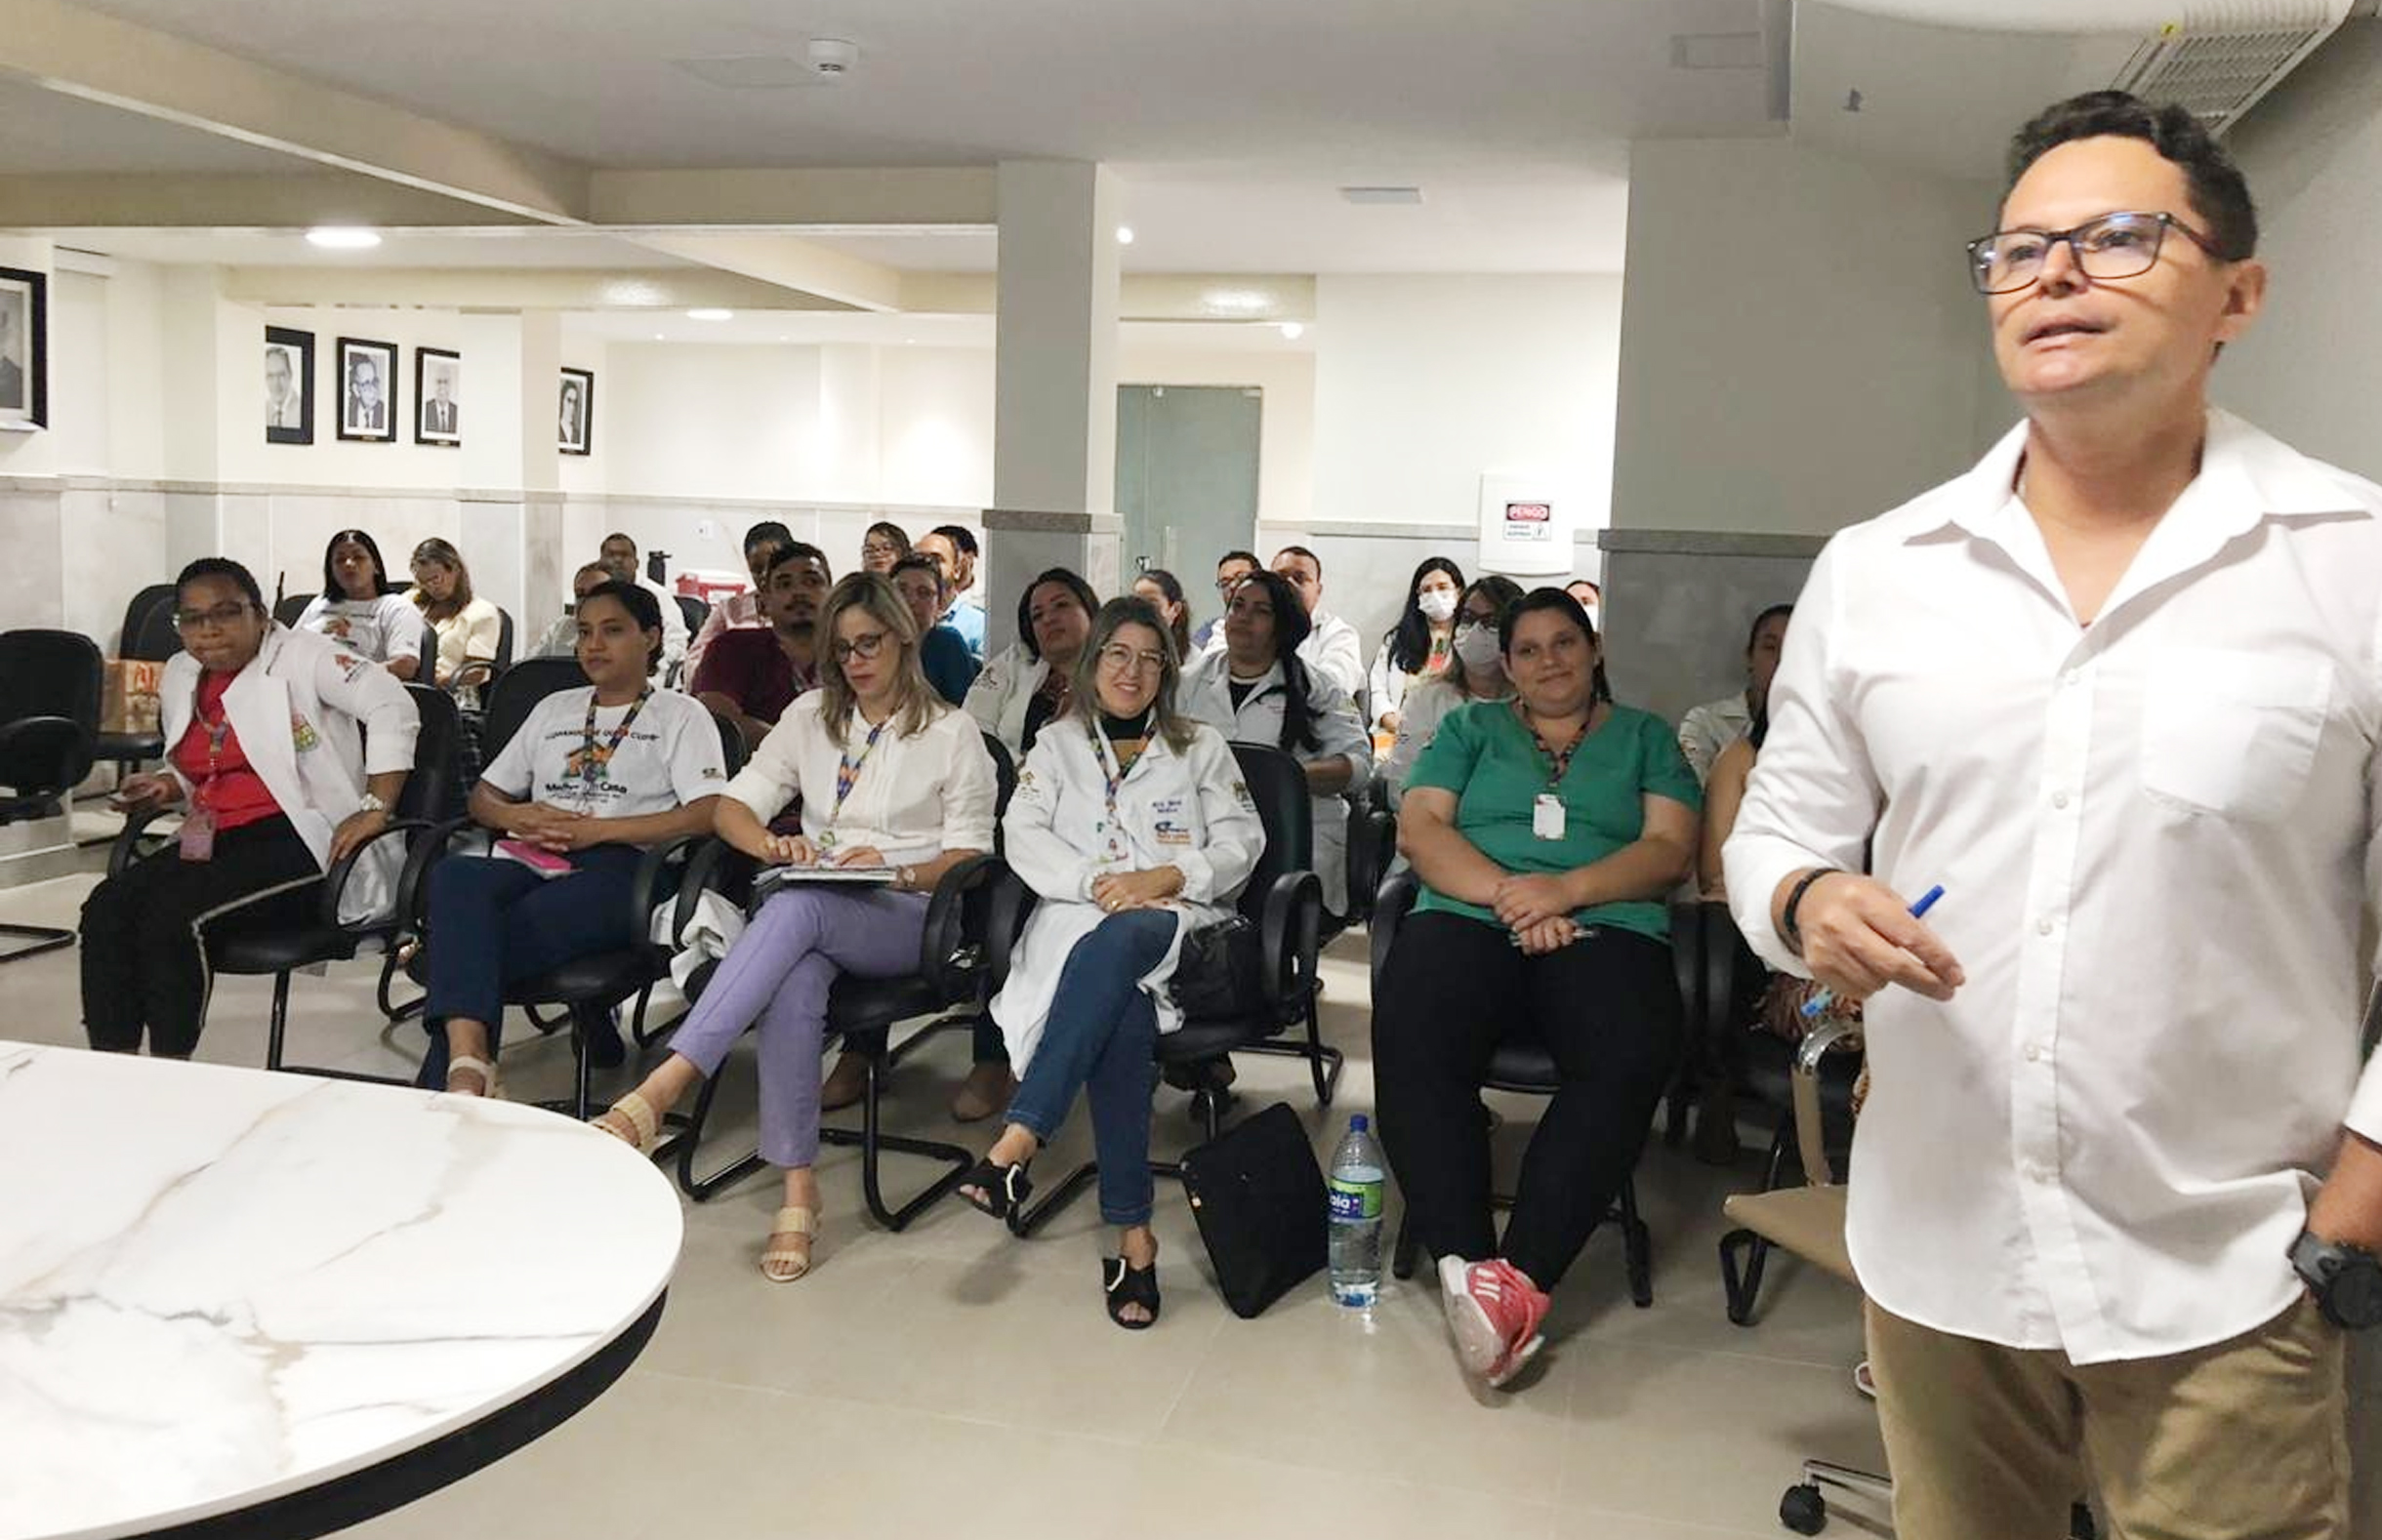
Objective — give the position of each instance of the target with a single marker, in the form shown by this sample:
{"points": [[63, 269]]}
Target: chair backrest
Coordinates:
{"points": [[1279, 787], [733, 749], [160, 638], [1005, 778], [136, 611], [695, 610], [290, 606], [504, 639], [54, 674], [430, 792], [517, 693]]}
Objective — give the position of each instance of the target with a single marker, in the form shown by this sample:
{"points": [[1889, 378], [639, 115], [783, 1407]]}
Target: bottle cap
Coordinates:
{"points": [[1358, 1123]]}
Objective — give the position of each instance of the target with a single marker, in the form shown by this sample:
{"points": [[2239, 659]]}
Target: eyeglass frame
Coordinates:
{"points": [[2159, 217], [220, 616], [1140, 658], [863, 647]]}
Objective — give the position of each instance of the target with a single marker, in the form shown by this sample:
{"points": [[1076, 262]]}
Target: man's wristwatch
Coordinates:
{"points": [[371, 804], [2346, 1280]]}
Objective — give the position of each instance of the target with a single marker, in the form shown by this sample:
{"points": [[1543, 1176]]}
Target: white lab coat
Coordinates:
{"points": [[296, 708], [1189, 810], [999, 698], [1206, 697]]}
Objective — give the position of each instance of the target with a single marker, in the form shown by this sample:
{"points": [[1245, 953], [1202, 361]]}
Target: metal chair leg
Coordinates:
{"points": [[873, 1141], [1637, 1246], [687, 1138], [280, 1030], [390, 1009], [1405, 1252], [1324, 1062], [1742, 1281], [40, 939]]}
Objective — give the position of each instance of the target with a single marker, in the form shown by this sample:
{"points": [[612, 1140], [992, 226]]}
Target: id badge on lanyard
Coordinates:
{"points": [[199, 824], [1547, 816], [1115, 851]]}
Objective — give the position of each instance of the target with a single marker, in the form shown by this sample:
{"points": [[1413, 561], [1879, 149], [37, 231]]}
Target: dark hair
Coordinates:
{"points": [[1025, 605], [1754, 634], [643, 607], [1761, 725], [331, 591], [768, 532], [961, 539], [446, 555], [1301, 550], [1291, 627], [1502, 592], [619, 534], [1130, 609], [1410, 641], [1563, 604], [917, 562], [219, 567], [799, 551], [2219, 194], [890, 531], [1249, 556], [1173, 588]]}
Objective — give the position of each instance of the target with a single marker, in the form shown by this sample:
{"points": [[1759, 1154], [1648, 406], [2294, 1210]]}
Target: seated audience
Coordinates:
{"points": [[1478, 674], [562, 638], [954, 546], [257, 835], [1331, 648], [595, 775], [888, 776], [1236, 565], [1260, 690], [1028, 685], [1547, 832], [469, 628], [1164, 592], [883, 545], [1417, 647], [359, 607], [1712, 726], [1132, 826], [741, 610], [750, 676], [920, 581], [618, 554]]}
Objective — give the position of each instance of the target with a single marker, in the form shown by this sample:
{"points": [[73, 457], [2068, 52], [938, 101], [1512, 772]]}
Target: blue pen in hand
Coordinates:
{"points": [[1820, 1003]]}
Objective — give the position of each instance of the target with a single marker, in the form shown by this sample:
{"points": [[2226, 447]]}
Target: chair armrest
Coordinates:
{"points": [[1009, 900], [44, 755], [1391, 903], [656, 881], [1810, 1130], [951, 949], [1290, 933], [127, 847], [335, 881], [413, 892], [713, 868], [1370, 833]]}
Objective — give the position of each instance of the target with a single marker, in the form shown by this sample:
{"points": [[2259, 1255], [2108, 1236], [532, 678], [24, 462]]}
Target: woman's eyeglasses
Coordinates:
{"points": [[868, 646], [1117, 658], [220, 616]]}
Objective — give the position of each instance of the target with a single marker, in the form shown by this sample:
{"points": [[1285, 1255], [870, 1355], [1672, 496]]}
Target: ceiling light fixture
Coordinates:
{"points": [[342, 238], [710, 312], [1124, 235], [1292, 331]]}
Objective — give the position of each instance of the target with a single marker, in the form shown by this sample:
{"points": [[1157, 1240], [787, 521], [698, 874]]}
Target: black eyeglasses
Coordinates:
{"points": [[864, 646], [2122, 245], [220, 616]]}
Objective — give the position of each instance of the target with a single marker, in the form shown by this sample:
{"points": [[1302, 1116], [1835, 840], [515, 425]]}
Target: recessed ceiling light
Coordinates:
{"points": [[657, 336], [1375, 196], [710, 312], [1124, 235], [342, 238], [1293, 331]]}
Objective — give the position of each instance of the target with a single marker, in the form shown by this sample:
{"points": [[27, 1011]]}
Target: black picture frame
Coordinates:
{"points": [[297, 351], [430, 363], [24, 348], [354, 425], [584, 381]]}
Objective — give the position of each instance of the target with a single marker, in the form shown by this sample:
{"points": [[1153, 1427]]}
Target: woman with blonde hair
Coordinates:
{"points": [[891, 779], [469, 628]]}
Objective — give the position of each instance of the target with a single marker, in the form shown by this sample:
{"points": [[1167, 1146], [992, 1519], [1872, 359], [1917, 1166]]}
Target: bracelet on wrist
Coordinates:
{"points": [[1790, 930]]}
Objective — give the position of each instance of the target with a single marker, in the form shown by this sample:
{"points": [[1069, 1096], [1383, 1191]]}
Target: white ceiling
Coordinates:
{"points": [[41, 131], [973, 333], [496, 248]]}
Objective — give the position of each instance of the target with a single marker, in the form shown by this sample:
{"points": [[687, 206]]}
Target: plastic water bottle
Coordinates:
{"points": [[1356, 1217]]}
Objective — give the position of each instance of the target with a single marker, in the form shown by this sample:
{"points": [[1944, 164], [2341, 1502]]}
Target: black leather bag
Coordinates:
{"points": [[1258, 1196], [1222, 971]]}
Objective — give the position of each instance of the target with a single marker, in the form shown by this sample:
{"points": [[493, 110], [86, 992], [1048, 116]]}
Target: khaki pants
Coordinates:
{"points": [[2243, 1440]]}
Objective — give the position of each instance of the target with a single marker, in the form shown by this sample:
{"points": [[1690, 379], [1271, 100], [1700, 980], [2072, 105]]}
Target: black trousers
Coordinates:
{"points": [[1606, 1008], [144, 961]]}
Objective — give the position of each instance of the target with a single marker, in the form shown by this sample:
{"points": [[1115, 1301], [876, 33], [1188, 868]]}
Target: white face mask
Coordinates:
{"points": [[1437, 604], [1476, 644]]}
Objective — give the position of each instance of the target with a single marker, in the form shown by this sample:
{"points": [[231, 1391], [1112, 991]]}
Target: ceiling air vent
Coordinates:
{"points": [[2219, 74]]}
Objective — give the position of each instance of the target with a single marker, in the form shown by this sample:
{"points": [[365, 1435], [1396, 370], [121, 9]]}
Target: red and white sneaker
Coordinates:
{"points": [[1494, 1314]]}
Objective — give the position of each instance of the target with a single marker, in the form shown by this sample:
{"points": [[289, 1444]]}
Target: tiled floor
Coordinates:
{"points": [[950, 1380]]}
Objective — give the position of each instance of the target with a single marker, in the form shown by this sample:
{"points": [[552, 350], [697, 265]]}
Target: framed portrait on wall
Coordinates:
{"points": [[289, 385], [575, 427], [367, 390], [24, 348], [437, 397]]}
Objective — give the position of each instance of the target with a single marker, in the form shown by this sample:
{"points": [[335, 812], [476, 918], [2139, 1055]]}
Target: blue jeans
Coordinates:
{"points": [[493, 922], [1099, 1039]]}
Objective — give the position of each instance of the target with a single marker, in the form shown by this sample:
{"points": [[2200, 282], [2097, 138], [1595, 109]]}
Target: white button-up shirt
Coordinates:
{"points": [[2155, 836]]}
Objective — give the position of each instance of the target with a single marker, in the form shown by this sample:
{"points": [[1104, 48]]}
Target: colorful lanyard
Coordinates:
{"points": [[1113, 771], [848, 769], [595, 766], [1561, 761]]}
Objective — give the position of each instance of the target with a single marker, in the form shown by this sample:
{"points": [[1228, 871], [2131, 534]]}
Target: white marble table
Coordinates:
{"points": [[268, 1305]]}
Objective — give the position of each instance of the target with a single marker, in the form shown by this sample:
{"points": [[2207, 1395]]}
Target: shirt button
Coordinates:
{"points": [[2044, 927], [2035, 1053], [2059, 799]]}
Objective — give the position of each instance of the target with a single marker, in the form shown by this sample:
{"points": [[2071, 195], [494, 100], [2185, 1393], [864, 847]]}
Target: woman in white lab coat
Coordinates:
{"points": [[1028, 684], [1258, 691], [276, 785], [1132, 827]]}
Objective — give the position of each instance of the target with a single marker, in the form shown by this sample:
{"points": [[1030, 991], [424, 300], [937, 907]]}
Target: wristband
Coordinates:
{"points": [[1788, 931]]}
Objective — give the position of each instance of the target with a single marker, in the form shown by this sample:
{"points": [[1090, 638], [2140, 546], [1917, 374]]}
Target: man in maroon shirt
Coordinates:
{"points": [[750, 676]]}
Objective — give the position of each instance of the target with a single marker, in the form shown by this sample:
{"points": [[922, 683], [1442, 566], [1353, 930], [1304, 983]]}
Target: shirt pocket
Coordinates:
{"points": [[2232, 732]]}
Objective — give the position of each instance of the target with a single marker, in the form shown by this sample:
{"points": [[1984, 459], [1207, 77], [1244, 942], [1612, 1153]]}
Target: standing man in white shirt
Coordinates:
{"points": [[1333, 647], [618, 555], [953, 545], [2115, 1192]]}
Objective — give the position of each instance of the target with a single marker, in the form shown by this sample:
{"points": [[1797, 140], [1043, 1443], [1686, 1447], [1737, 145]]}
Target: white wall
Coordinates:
{"points": [[934, 425], [1800, 347], [1422, 384]]}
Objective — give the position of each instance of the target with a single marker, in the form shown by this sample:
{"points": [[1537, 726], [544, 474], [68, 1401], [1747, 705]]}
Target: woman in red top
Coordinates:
{"points": [[244, 850]]}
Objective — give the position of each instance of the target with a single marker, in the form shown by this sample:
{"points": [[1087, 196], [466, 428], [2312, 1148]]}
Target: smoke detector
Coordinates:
{"points": [[832, 58]]}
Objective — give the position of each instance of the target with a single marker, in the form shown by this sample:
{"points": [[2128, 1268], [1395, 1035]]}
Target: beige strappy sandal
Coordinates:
{"points": [[644, 1124], [490, 1087], [782, 1264]]}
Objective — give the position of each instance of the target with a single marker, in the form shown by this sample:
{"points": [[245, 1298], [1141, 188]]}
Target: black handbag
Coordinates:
{"points": [[1221, 971], [1258, 1198]]}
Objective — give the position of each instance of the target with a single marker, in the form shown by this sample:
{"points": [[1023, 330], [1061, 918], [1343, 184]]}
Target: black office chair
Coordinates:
{"points": [[1523, 1066], [126, 751], [1005, 774], [250, 951], [290, 606], [480, 673], [48, 730], [695, 612], [1289, 838], [1283, 901]]}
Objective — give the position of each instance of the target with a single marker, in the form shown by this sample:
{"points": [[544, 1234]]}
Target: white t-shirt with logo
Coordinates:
{"points": [[670, 757], [383, 629]]}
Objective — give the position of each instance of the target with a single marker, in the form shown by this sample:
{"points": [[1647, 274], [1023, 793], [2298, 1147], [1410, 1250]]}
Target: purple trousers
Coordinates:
{"points": [[778, 974]]}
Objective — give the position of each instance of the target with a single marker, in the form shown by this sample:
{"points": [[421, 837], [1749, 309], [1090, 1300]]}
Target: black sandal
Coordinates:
{"points": [[1002, 1190], [1126, 1286]]}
